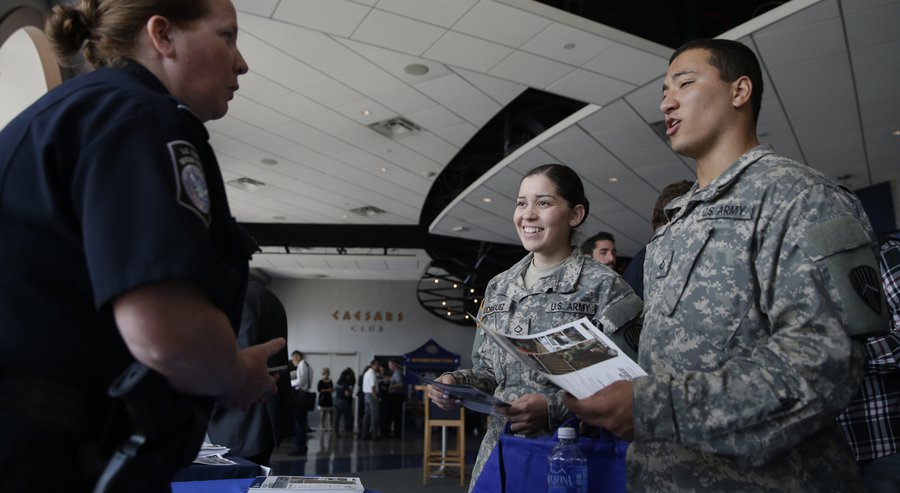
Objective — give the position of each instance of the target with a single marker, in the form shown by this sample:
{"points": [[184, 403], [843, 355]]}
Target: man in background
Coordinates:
{"points": [[301, 383], [871, 422], [634, 273], [371, 421], [602, 248], [395, 396], [254, 433]]}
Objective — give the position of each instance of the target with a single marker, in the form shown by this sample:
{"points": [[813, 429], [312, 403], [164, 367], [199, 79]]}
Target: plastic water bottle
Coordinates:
{"points": [[567, 470]]}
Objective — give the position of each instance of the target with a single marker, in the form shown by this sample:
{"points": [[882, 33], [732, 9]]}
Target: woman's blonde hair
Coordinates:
{"points": [[106, 31]]}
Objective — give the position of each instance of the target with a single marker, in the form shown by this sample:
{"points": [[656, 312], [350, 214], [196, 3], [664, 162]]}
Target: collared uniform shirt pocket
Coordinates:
{"points": [[705, 271]]}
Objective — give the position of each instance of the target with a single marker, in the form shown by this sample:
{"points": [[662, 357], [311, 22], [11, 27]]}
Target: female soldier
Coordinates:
{"points": [[554, 284], [118, 242]]}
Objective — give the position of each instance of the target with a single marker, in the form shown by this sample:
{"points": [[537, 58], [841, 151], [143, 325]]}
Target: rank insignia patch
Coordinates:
{"points": [[190, 180], [867, 284]]}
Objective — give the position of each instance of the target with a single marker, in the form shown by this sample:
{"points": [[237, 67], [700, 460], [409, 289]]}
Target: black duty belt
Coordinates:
{"points": [[53, 405]]}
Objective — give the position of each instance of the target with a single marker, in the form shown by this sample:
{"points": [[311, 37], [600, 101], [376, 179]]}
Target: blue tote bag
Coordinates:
{"points": [[519, 465]]}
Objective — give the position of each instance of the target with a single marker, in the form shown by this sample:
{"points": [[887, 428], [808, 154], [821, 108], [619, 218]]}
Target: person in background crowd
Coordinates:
{"points": [[325, 387], [871, 421], [301, 382], [371, 423], [634, 273], [602, 248], [255, 432], [760, 291], [522, 300], [343, 402], [118, 242], [395, 397]]}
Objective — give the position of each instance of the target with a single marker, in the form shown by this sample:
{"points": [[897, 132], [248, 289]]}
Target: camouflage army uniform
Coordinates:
{"points": [[749, 308], [581, 287]]}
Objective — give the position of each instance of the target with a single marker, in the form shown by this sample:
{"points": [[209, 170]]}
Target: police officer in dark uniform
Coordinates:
{"points": [[117, 240]]}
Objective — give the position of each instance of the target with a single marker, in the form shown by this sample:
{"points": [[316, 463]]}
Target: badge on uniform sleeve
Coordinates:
{"points": [[190, 180]]}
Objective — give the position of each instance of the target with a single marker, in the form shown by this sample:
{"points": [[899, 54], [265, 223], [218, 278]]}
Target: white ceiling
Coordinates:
{"points": [[322, 70]]}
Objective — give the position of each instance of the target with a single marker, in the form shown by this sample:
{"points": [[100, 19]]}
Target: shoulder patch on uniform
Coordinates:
{"points": [[867, 284], [190, 181]]}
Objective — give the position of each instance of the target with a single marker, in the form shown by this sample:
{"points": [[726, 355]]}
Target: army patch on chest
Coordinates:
{"points": [[190, 181], [726, 211]]}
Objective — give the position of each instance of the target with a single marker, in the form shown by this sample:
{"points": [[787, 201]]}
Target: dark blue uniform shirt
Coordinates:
{"points": [[107, 183]]}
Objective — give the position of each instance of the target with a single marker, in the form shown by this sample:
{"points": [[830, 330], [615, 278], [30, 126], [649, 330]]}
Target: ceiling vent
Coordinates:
{"points": [[367, 211], [248, 184], [396, 127]]}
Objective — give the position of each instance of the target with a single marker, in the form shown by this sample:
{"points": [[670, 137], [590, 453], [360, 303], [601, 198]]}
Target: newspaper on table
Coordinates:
{"points": [[576, 356], [304, 484]]}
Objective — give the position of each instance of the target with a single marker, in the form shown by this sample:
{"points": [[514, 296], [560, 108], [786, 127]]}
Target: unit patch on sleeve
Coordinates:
{"points": [[190, 180]]}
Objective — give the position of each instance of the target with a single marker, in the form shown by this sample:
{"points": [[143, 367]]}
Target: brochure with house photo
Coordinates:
{"points": [[577, 356]]}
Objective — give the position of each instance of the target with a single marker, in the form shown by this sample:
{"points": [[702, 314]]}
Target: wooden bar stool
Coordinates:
{"points": [[436, 417]]}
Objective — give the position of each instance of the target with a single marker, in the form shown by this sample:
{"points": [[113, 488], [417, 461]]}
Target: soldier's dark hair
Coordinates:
{"points": [[669, 193], [105, 32], [568, 185], [587, 246], [733, 60]]}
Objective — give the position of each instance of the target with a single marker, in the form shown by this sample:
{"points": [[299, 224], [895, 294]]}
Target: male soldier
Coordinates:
{"points": [[759, 292]]}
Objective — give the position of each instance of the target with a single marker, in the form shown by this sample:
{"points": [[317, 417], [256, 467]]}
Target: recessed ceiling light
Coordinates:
{"points": [[366, 112], [568, 46], [444, 303], [383, 169], [416, 69], [896, 133], [436, 281], [268, 160], [487, 200], [344, 216], [613, 179], [448, 314]]}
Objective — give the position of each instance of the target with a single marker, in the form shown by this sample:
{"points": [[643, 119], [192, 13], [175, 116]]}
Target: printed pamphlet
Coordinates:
{"points": [[304, 484], [577, 356]]}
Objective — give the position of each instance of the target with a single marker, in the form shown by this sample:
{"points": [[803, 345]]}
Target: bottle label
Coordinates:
{"points": [[571, 479]]}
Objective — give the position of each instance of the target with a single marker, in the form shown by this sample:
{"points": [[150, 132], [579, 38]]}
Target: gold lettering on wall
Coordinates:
{"points": [[369, 315], [370, 318]]}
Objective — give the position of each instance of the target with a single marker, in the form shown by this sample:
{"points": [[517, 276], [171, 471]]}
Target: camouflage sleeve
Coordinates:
{"points": [[622, 305], [620, 317], [772, 394], [481, 375]]}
